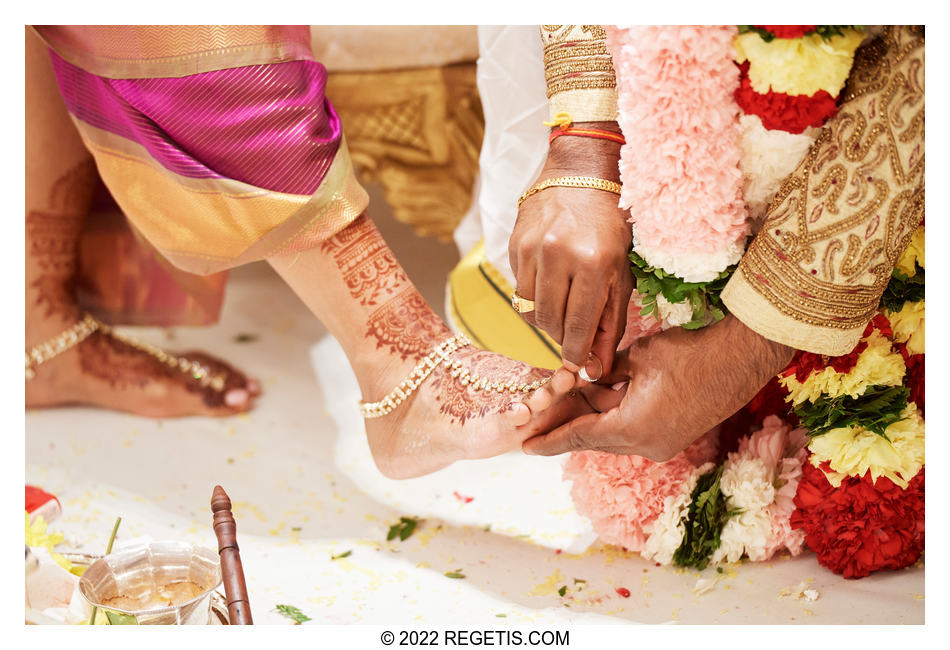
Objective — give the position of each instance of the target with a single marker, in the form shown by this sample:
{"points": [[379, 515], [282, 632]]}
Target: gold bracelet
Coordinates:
{"points": [[588, 182], [440, 355]]}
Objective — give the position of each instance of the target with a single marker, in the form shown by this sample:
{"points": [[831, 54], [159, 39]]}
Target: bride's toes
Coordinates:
{"points": [[517, 414], [563, 381]]}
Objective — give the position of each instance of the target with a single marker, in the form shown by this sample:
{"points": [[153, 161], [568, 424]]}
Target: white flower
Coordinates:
{"points": [[768, 157], [691, 266], [747, 481], [744, 534], [669, 528], [673, 314]]}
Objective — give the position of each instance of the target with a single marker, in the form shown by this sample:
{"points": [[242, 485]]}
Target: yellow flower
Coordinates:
{"points": [[853, 451], [908, 325], [878, 365], [799, 66], [913, 253], [36, 537]]}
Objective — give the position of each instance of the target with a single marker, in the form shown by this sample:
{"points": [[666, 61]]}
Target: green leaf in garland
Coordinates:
{"points": [[875, 410], [703, 297], [707, 514], [903, 289]]}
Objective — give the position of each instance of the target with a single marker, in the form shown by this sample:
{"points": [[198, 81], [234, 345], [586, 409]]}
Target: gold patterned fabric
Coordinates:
{"points": [[418, 133], [813, 276], [579, 72], [141, 51]]}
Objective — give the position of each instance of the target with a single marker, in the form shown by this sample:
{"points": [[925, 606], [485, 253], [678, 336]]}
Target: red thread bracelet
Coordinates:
{"points": [[587, 133]]}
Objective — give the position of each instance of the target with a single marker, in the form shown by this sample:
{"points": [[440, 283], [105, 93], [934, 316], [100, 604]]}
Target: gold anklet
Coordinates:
{"points": [[200, 373], [89, 324], [425, 367], [72, 336]]}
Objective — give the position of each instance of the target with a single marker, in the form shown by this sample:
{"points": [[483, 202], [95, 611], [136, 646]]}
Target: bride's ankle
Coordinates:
{"points": [[42, 327]]}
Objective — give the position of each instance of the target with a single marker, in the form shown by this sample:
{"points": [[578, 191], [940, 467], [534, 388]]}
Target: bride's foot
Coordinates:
{"points": [[355, 285], [107, 372], [450, 418]]}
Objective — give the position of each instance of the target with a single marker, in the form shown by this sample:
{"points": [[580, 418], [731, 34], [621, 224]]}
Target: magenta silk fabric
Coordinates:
{"points": [[269, 126]]}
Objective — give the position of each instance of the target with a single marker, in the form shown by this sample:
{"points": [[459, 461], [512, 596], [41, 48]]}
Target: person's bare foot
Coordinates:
{"points": [[106, 372], [445, 421]]}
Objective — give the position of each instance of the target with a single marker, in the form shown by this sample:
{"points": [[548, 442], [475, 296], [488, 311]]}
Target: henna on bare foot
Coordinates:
{"points": [[103, 370], [108, 372], [386, 329]]}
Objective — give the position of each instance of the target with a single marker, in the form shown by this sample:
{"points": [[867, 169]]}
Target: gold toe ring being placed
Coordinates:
{"points": [[521, 305], [440, 355]]}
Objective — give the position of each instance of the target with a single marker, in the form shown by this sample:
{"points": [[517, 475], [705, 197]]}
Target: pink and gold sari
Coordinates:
{"points": [[217, 142]]}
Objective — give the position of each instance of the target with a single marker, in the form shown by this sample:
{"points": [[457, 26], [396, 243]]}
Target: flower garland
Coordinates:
{"points": [[679, 123], [830, 453]]}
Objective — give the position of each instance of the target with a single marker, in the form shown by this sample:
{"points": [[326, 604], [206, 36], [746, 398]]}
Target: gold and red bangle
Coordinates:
{"points": [[587, 133]]}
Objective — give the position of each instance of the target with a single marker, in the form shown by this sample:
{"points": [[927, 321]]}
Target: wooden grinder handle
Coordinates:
{"points": [[232, 573]]}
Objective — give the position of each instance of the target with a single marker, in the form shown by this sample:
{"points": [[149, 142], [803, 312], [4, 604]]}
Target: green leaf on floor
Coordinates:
{"points": [[457, 574], [405, 527], [294, 614]]}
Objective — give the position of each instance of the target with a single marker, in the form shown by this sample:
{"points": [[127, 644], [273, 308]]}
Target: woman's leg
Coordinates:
{"points": [[101, 370], [355, 285]]}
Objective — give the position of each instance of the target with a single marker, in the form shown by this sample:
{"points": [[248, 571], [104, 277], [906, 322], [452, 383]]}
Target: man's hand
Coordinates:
{"points": [[569, 250], [681, 384]]}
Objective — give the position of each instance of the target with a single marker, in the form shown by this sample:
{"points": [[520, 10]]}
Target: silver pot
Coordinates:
{"points": [[139, 570]]}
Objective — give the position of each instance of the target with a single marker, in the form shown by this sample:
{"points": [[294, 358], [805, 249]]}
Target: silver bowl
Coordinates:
{"points": [[141, 569]]}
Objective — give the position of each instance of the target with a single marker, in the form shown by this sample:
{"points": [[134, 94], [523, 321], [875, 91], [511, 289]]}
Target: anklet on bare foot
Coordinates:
{"points": [[89, 324], [60, 343], [441, 354]]}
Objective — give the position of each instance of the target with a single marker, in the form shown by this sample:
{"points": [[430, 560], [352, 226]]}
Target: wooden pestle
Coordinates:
{"points": [[232, 573]]}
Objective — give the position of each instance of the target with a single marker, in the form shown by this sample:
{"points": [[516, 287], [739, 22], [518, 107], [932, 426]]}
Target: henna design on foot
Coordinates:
{"points": [[118, 364], [407, 325], [461, 403]]}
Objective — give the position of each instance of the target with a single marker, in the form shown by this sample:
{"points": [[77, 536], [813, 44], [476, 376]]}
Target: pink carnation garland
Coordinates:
{"points": [[680, 165]]}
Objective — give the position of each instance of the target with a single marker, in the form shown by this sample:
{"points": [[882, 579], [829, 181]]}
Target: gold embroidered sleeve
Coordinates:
{"points": [[813, 276], [579, 72]]}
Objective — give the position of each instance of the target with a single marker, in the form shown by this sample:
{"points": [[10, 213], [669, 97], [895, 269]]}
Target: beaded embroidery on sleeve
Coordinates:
{"points": [[814, 275], [579, 72]]}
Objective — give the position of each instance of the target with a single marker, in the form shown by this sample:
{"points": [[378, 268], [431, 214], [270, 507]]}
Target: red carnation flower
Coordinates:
{"points": [[788, 31], [846, 362], [881, 324], [771, 401], [914, 379], [862, 526], [783, 112], [803, 364]]}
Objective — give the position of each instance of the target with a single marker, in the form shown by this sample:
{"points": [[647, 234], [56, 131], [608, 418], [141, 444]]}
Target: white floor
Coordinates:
{"points": [[304, 488]]}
